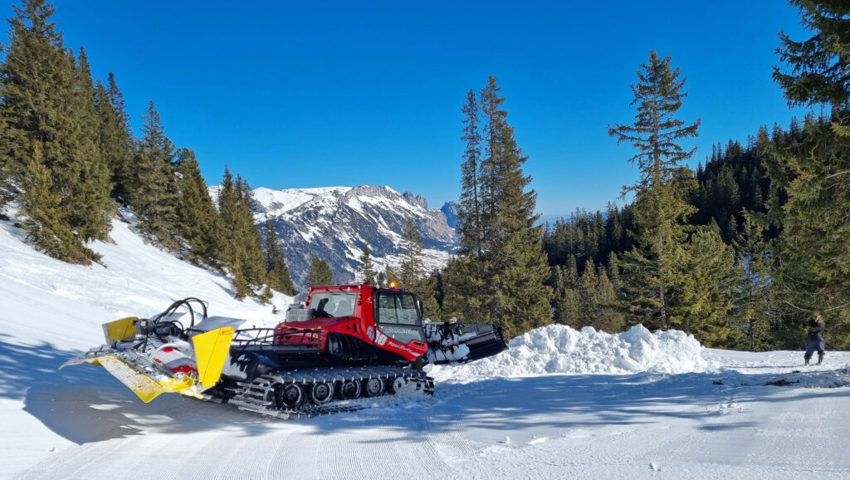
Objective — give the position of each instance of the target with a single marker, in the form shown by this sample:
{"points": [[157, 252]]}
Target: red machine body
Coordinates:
{"points": [[351, 322]]}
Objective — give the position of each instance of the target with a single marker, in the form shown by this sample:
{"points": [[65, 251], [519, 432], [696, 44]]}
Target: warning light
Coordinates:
{"points": [[393, 284]]}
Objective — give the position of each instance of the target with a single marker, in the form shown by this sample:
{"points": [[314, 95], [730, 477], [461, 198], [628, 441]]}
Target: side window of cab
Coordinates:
{"points": [[398, 316]]}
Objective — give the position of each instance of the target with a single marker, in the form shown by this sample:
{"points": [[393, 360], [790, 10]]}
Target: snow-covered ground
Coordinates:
{"points": [[559, 404]]}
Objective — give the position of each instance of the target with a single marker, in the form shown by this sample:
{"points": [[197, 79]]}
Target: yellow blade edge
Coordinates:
{"points": [[119, 329], [142, 385], [211, 350], [145, 387]]}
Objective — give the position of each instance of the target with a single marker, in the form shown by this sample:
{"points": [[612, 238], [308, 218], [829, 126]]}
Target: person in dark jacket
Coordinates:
{"points": [[814, 340]]}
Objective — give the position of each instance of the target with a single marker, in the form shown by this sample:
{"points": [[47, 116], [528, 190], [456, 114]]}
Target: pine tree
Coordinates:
{"points": [[89, 207], [242, 251], [367, 268], [710, 285], [812, 258], [820, 65], [506, 284], [470, 209], [320, 273], [465, 277], [41, 205], [48, 101], [412, 270], [5, 163], [611, 318], [198, 219], [36, 61], [461, 282], [254, 260], [227, 206], [590, 309], [115, 137], [155, 193], [752, 306], [277, 270], [653, 270]]}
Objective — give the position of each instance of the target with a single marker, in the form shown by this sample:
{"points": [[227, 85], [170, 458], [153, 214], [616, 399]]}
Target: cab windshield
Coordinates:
{"points": [[333, 304]]}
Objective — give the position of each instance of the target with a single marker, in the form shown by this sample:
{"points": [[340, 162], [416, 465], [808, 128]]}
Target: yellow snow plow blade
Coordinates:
{"points": [[148, 379], [211, 350], [147, 388], [119, 329]]}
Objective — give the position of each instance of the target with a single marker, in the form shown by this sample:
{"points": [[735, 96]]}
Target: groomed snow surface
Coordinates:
{"points": [[558, 404]]}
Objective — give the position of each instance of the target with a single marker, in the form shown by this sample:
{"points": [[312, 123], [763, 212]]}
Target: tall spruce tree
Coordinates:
{"points": [[198, 219], [242, 252], [5, 162], [653, 270], [155, 194], [464, 277], [89, 207], [254, 259], [812, 257], [115, 137], [48, 101], [469, 213], [367, 268], [411, 270], [227, 206], [277, 270], [753, 305], [505, 285]]}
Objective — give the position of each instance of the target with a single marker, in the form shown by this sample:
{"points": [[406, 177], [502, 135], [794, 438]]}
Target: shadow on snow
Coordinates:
{"points": [[85, 404]]}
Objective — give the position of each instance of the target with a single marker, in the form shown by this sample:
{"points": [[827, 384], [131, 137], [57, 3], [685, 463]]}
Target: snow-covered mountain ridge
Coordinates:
{"points": [[333, 223]]}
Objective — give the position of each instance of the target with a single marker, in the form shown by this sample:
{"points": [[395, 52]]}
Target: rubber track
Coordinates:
{"points": [[257, 396]]}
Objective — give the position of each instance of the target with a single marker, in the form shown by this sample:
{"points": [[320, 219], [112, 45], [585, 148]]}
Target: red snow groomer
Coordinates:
{"points": [[344, 342]]}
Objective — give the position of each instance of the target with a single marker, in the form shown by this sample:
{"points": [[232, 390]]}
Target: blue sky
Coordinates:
{"points": [[308, 94]]}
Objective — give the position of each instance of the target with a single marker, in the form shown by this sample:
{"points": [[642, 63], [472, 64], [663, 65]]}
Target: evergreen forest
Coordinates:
{"points": [[739, 252], [69, 159]]}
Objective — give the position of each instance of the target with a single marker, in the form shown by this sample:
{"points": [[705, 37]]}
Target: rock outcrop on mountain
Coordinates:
{"points": [[333, 223]]}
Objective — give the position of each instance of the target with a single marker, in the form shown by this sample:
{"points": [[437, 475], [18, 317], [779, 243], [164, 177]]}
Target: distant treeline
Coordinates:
{"points": [[730, 196]]}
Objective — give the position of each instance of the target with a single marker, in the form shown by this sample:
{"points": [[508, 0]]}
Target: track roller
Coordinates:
{"points": [[321, 393], [373, 386], [394, 385], [350, 389], [288, 396]]}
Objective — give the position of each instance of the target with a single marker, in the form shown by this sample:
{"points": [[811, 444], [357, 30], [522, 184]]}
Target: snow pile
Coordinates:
{"points": [[559, 349]]}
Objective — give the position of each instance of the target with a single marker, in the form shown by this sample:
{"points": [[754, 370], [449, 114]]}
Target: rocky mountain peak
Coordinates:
{"points": [[333, 223]]}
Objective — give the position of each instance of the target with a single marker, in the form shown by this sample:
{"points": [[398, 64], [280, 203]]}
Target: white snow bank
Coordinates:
{"points": [[559, 349]]}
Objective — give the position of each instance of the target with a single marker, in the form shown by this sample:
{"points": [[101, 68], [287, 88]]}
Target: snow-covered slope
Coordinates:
{"points": [[49, 310], [559, 404], [133, 278], [332, 223]]}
